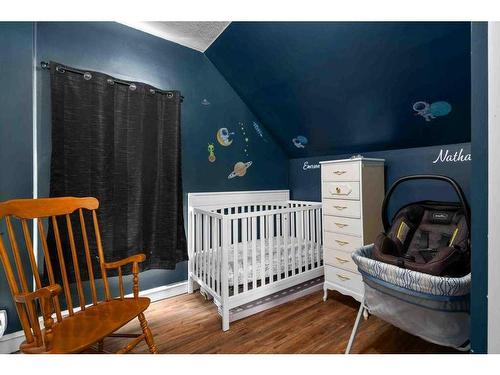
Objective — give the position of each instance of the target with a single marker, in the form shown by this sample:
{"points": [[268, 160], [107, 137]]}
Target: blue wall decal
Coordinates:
{"points": [[349, 86], [431, 111], [299, 141]]}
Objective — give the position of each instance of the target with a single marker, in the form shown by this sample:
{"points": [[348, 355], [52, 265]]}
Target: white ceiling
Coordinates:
{"points": [[195, 35]]}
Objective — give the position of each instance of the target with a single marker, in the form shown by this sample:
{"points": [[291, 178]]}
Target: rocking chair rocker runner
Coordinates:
{"points": [[95, 320]]}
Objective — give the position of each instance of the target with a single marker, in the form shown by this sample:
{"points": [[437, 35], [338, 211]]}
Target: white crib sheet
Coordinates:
{"points": [[307, 253]]}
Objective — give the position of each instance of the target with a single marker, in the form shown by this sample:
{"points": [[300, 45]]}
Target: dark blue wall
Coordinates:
{"points": [[210, 104], [305, 182], [479, 196], [350, 86], [133, 55], [16, 130]]}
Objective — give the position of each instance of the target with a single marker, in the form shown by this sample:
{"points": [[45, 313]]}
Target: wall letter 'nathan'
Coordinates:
{"points": [[446, 157]]}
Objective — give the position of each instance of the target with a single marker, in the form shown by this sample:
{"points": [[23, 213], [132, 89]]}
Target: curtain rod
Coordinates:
{"points": [[87, 76]]}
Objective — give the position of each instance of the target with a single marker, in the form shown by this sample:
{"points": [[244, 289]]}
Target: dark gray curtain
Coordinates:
{"points": [[122, 146]]}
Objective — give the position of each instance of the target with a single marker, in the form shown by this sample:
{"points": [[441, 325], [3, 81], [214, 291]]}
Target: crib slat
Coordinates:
{"points": [[244, 237], [286, 240], [278, 245], [205, 248], [254, 252], [318, 237], [235, 257], [215, 245], [262, 229], [269, 260], [209, 250], [213, 222], [217, 256], [293, 240], [307, 240], [300, 238], [198, 245]]}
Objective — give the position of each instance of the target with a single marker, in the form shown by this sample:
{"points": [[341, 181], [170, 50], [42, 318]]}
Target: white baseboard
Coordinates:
{"points": [[10, 343], [165, 291]]}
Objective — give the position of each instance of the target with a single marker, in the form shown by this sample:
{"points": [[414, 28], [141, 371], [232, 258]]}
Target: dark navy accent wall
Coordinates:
{"points": [[16, 130], [479, 193], [305, 176], [351, 86]]}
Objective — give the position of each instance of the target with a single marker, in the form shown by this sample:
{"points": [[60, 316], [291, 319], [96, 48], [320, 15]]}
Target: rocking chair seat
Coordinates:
{"points": [[85, 328]]}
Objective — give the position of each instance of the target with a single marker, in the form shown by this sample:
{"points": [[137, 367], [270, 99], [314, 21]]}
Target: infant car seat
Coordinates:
{"points": [[429, 237]]}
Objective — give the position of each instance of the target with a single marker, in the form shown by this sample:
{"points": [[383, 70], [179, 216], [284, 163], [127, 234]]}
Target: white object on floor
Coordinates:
{"points": [[261, 225], [352, 192], [3, 322]]}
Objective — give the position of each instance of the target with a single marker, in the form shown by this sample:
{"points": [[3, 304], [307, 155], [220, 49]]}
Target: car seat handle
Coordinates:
{"points": [[450, 181]]}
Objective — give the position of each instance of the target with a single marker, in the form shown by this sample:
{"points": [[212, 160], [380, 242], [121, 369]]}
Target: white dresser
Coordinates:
{"points": [[352, 192]]}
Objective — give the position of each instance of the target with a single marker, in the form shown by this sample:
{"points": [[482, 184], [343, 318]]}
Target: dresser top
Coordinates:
{"points": [[358, 158]]}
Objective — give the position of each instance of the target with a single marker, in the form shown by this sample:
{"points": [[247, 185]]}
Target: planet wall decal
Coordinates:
{"points": [[300, 141], [205, 102], [223, 135], [240, 169], [431, 111]]}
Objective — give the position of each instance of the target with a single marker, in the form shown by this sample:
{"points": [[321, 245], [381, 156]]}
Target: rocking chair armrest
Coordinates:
{"points": [[137, 258], [44, 293]]}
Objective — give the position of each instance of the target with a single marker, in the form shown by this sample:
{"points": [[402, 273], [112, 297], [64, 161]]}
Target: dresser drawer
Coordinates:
{"points": [[342, 207], [345, 279], [342, 225], [348, 171], [341, 190], [339, 259], [342, 242]]}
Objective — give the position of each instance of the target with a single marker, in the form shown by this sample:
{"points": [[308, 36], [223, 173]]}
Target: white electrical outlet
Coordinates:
{"points": [[3, 322]]}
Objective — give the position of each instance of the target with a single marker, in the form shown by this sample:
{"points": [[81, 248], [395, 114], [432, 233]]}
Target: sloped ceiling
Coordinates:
{"points": [[196, 35], [351, 87]]}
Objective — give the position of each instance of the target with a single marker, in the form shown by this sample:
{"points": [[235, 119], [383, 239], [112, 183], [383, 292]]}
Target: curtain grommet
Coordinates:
{"points": [[87, 76], [60, 69], [151, 91], [132, 87], [170, 95], [110, 81]]}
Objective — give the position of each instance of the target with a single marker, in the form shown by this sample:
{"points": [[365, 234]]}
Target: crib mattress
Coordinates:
{"points": [[282, 259]]}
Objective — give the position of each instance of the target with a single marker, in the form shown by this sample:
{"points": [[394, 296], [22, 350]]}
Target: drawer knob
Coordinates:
{"points": [[338, 173], [340, 225], [343, 278], [341, 243], [341, 260], [337, 189], [340, 208]]}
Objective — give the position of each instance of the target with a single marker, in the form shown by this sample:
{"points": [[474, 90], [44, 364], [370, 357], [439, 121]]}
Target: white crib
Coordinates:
{"points": [[242, 228]]}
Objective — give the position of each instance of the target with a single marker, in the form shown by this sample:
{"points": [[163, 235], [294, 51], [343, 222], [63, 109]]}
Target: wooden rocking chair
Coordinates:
{"points": [[75, 331]]}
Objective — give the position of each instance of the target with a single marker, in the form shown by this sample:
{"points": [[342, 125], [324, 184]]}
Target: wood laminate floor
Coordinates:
{"points": [[189, 324]]}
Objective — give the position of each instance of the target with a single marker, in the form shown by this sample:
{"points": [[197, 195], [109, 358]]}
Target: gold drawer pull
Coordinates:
{"points": [[341, 260], [338, 173], [341, 243], [340, 208], [340, 225], [343, 278]]}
